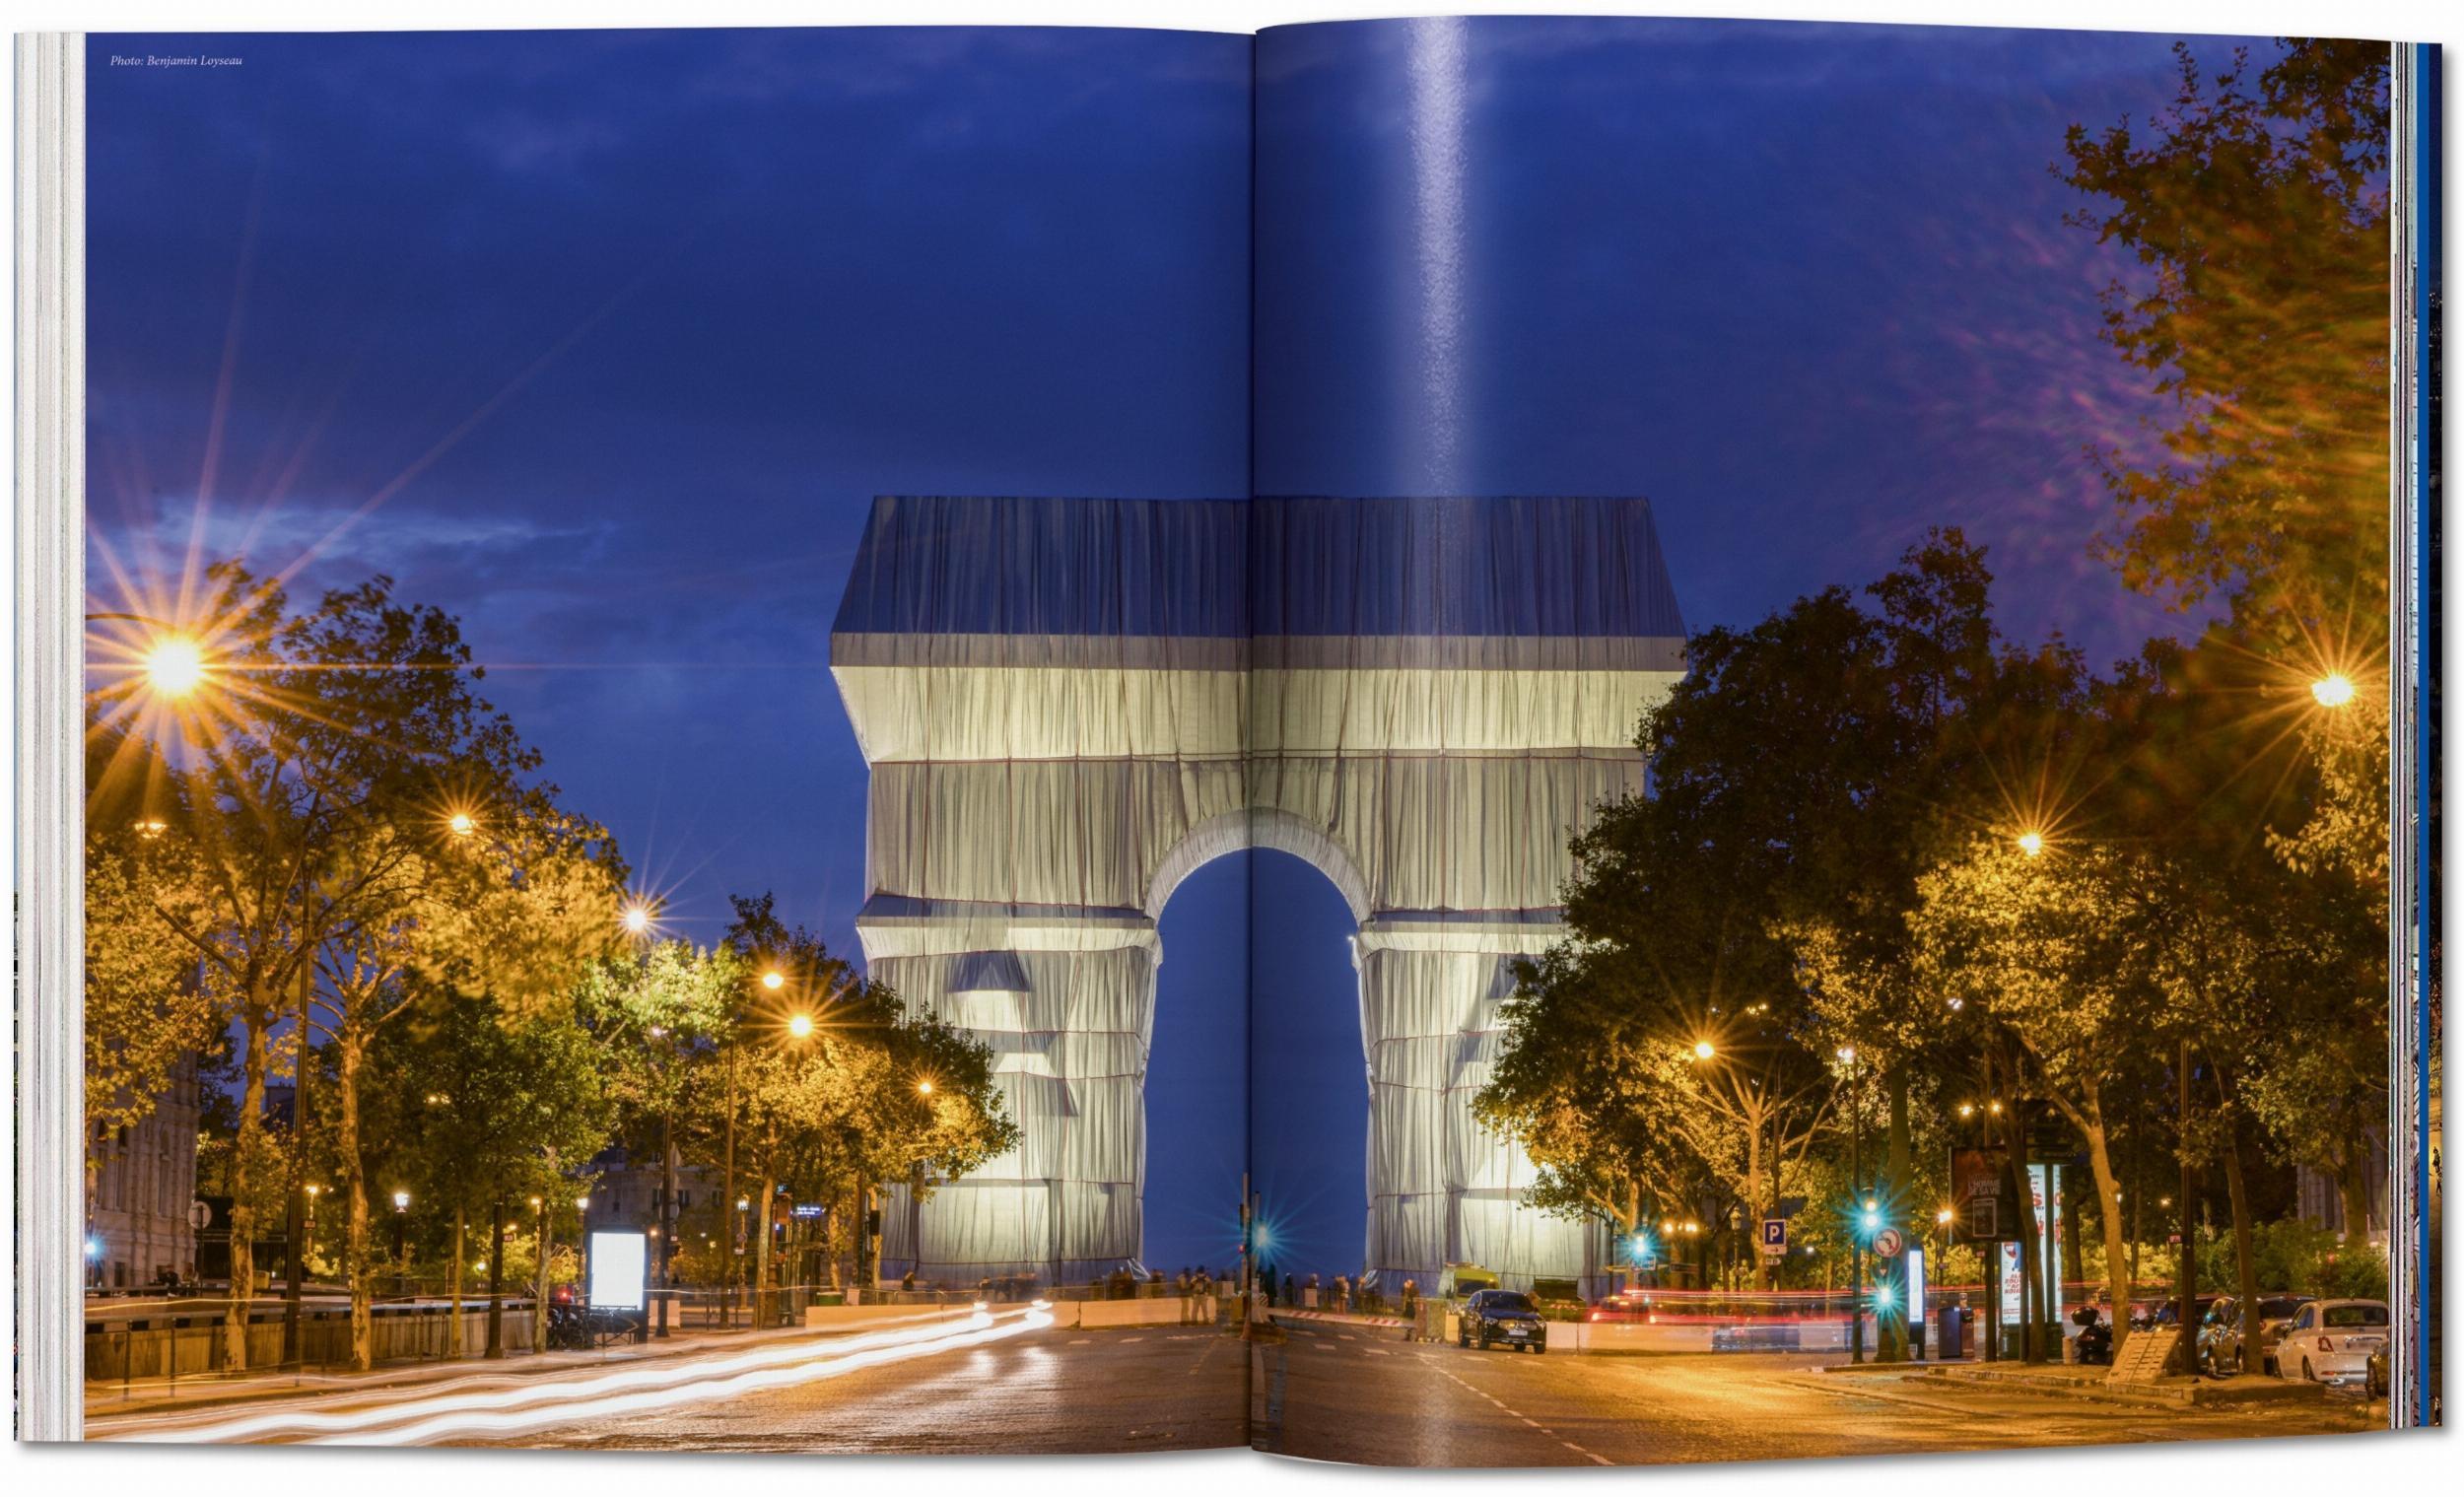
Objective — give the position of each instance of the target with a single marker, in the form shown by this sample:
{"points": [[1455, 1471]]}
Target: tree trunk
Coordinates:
{"points": [[761, 1253], [242, 1211], [349, 1054], [496, 1278], [454, 1326], [2352, 1182], [2117, 1285]]}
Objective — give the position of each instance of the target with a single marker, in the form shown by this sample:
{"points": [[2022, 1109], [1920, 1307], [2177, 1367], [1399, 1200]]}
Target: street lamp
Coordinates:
{"points": [[461, 824], [923, 1088], [2032, 844], [175, 665], [774, 980], [401, 1241], [637, 918], [801, 1025], [2333, 690], [1704, 1049], [1856, 1240]]}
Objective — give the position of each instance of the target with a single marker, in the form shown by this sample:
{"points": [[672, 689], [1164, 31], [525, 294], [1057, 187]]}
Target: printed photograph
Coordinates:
{"points": [[1504, 743]]}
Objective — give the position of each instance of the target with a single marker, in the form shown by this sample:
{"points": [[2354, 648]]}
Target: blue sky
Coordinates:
{"points": [[604, 340]]}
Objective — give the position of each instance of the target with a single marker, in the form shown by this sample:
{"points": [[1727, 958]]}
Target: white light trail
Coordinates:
{"points": [[632, 1391]]}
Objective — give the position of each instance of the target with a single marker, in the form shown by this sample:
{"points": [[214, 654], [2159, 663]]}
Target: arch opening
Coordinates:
{"points": [[1279, 927]]}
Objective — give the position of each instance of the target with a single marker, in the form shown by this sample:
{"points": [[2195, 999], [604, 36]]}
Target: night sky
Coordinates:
{"points": [[604, 340]]}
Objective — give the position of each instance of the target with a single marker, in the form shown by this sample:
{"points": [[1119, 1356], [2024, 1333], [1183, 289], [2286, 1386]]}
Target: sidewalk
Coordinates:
{"points": [[2091, 1382], [154, 1395]]}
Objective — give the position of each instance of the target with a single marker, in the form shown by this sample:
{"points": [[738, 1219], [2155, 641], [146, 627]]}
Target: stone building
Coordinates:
{"points": [[139, 1196]]}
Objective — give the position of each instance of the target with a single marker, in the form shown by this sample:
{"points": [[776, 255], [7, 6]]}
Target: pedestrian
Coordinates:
{"points": [[1412, 1300], [1285, 1298]]}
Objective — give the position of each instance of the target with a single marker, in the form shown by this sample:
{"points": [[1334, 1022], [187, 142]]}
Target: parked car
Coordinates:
{"points": [[1502, 1318], [2331, 1340], [2220, 1336]]}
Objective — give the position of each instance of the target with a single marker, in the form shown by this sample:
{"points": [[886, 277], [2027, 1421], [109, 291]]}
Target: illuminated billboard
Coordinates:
{"points": [[620, 1270]]}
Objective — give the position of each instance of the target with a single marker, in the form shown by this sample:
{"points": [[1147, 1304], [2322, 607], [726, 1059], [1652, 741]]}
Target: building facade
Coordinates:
{"points": [[141, 1191]]}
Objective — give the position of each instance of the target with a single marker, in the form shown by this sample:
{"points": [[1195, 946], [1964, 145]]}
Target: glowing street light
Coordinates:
{"points": [[774, 980], [637, 918], [2032, 844], [1704, 1049], [923, 1088], [461, 824], [175, 665], [801, 1025], [2335, 689]]}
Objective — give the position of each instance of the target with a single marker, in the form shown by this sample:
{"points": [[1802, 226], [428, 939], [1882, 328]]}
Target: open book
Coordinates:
{"points": [[732, 735]]}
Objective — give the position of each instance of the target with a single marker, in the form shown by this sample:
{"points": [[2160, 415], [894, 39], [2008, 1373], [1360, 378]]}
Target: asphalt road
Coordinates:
{"points": [[1051, 1393], [1341, 1392], [1015, 1385]]}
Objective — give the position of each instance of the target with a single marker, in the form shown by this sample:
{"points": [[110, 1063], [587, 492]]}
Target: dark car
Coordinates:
{"points": [[1502, 1318], [2220, 1332]]}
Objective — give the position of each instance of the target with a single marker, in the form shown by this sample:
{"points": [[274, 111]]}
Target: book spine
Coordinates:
{"points": [[50, 731]]}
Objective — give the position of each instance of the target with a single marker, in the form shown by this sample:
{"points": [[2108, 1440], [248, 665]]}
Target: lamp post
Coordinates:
{"points": [[402, 1241], [1856, 1190]]}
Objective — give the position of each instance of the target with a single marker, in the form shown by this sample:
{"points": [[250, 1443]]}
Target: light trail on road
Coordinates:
{"points": [[632, 1391]]}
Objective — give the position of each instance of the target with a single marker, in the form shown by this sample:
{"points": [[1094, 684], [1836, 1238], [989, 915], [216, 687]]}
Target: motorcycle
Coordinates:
{"points": [[2094, 1344]]}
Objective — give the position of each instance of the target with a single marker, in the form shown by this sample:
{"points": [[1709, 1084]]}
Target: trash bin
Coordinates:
{"points": [[1952, 1343]]}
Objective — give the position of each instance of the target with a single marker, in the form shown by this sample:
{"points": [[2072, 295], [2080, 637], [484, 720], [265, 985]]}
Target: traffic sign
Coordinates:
{"points": [[1888, 1242], [199, 1214], [1775, 1237]]}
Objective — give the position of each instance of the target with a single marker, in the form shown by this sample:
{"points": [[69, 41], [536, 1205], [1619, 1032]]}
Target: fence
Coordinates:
{"points": [[128, 1339]]}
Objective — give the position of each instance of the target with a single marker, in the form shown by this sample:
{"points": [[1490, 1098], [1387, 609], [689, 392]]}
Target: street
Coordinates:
{"points": [[1014, 1383], [1338, 1392], [1008, 1383]]}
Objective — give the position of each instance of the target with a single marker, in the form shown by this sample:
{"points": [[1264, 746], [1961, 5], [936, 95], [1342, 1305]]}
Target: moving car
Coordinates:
{"points": [[2331, 1340], [1628, 1305], [1502, 1318], [2219, 1335]]}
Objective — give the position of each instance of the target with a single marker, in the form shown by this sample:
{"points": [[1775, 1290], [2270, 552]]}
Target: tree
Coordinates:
{"points": [[2257, 216], [845, 1088], [662, 1019], [486, 1103], [146, 1012], [2055, 948]]}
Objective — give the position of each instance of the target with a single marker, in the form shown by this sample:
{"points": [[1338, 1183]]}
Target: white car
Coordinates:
{"points": [[2331, 1340]]}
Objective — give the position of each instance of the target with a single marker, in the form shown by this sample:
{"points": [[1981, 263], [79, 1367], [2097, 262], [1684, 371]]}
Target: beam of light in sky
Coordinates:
{"points": [[632, 1391], [1440, 101]]}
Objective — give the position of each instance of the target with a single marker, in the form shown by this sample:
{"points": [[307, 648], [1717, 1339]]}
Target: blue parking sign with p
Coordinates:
{"points": [[1776, 1235]]}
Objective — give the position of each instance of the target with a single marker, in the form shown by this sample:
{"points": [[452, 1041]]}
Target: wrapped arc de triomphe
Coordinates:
{"points": [[1068, 706]]}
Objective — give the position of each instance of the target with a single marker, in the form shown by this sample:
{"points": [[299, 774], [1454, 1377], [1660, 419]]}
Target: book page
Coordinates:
{"points": [[611, 922], [1832, 781]]}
